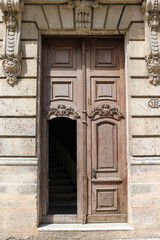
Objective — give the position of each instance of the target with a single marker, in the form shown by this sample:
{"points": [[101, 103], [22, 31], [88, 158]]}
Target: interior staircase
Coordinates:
{"points": [[62, 193]]}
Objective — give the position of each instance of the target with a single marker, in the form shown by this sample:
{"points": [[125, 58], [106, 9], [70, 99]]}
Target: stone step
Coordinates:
{"points": [[58, 175], [56, 169], [56, 189], [54, 164], [60, 182], [62, 196], [63, 204], [61, 210]]}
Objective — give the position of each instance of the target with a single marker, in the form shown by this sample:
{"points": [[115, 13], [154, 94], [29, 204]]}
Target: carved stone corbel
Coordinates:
{"points": [[62, 111], [83, 12], [12, 11], [151, 8]]}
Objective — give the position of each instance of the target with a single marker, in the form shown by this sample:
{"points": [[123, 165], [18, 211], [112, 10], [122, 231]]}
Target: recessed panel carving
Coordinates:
{"points": [[104, 57], [62, 57], [103, 89], [61, 90], [106, 199], [106, 147]]}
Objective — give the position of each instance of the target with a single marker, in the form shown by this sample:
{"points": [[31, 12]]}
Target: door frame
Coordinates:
{"points": [[78, 218]]}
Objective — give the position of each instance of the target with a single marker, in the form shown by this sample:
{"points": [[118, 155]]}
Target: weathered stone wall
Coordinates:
{"points": [[19, 126], [18, 141], [144, 142]]}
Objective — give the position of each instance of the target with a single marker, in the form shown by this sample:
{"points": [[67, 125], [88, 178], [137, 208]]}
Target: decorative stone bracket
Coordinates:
{"points": [[12, 11], [83, 11], [106, 111], [62, 111], [151, 8]]}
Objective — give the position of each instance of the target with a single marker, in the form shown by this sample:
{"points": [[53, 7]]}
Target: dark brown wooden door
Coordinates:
{"points": [[83, 79]]}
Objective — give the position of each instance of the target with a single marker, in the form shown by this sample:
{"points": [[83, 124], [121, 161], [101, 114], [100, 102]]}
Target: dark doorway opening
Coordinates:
{"points": [[62, 166]]}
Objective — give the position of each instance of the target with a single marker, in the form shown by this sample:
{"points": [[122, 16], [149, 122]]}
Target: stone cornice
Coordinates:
{"points": [[11, 10], [151, 9], [99, 1]]}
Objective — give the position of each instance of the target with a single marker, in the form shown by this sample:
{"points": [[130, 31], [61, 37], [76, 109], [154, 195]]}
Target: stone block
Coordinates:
{"points": [[52, 15], [145, 146], [137, 31], [1, 69], [131, 14], [29, 31], [17, 147], [137, 49], [144, 195], [25, 87], [67, 18], [29, 49], [17, 126], [144, 217], [17, 107], [98, 22], [1, 16], [1, 48], [145, 174], [142, 87], [145, 126], [113, 16], [139, 107], [143, 189], [137, 68], [19, 220], [29, 68], [35, 13], [1, 31], [17, 175]]}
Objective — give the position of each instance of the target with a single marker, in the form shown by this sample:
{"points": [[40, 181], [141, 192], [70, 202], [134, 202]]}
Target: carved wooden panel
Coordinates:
{"points": [[103, 88], [62, 57], [105, 199], [106, 110], [106, 139], [62, 54], [104, 56], [61, 89]]}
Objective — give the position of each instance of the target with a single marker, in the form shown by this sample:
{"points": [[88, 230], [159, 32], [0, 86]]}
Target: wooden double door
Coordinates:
{"points": [[83, 79]]}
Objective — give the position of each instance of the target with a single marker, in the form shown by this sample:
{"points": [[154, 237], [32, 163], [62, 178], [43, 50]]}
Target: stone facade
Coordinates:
{"points": [[20, 111]]}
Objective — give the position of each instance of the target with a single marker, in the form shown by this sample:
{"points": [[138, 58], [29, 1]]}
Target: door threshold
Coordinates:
{"points": [[60, 218], [86, 227]]}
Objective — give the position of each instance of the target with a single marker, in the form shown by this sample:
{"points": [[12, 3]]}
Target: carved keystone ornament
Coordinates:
{"points": [[152, 38], [106, 111], [62, 111], [83, 10], [12, 10]]}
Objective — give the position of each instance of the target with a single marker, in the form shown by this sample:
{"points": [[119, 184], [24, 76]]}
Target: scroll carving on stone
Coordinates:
{"points": [[152, 38], [106, 111], [83, 12], [62, 111], [12, 11]]}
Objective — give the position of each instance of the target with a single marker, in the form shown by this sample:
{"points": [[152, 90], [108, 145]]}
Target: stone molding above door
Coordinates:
{"points": [[66, 16]]}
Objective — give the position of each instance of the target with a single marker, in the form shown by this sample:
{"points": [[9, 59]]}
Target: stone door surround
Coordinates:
{"points": [[80, 18]]}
